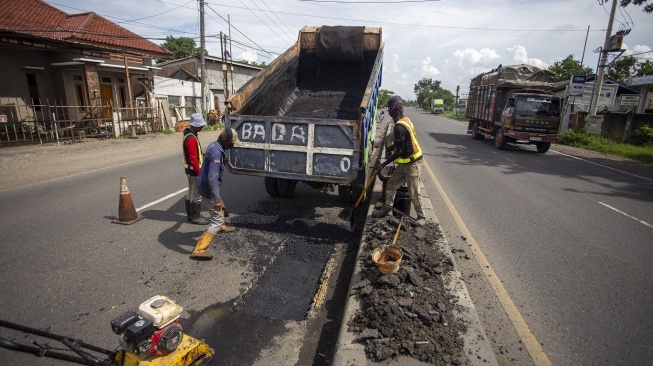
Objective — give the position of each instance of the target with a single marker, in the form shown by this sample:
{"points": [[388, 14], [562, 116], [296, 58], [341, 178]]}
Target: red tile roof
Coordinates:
{"points": [[40, 19]]}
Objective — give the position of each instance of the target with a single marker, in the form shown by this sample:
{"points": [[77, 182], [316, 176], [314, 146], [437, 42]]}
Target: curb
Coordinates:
{"points": [[477, 346]]}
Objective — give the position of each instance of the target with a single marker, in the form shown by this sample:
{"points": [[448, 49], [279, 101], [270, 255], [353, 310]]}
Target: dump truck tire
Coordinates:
{"points": [[476, 135], [543, 147], [286, 187], [499, 139], [271, 186]]}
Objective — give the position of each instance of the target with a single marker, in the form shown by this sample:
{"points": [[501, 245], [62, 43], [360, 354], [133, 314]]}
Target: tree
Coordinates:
{"points": [[622, 69], [261, 65], [644, 68], [647, 7], [564, 69], [424, 90], [181, 47], [384, 95]]}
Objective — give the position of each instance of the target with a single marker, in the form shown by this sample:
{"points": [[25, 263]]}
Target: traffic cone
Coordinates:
{"points": [[126, 211]]}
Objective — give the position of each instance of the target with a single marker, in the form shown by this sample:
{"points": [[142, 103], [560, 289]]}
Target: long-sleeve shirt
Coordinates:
{"points": [[191, 147], [210, 177]]}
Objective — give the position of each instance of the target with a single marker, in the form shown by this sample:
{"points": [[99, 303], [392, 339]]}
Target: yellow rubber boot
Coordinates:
{"points": [[224, 228], [202, 245]]}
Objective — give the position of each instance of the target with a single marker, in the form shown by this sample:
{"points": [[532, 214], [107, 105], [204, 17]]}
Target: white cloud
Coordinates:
{"points": [[247, 55], [428, 69], [471, 57], [520, 56]]}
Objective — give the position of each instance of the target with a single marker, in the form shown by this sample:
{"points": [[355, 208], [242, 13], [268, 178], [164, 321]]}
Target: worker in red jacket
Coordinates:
{"points": [[193, 157]]}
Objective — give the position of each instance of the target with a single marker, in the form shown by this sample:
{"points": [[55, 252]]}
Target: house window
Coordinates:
{"points": [[106, 79], [192, 104], [33, 90], [173, 100]]}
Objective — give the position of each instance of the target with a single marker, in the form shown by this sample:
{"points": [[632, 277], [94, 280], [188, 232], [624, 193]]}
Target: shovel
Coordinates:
{"points": [[403, 214], [358, 202]]}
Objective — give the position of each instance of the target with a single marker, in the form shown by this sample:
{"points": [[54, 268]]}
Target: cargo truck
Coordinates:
{"points": [[310, 115], [437, 106], [514, 104]]}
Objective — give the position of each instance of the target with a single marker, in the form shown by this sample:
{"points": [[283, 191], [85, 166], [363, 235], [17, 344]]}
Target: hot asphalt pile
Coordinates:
{"points": [[409, 312]]}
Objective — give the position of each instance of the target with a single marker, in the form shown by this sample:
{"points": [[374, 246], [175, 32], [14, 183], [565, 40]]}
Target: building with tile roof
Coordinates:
{"points": [[48, 56]]}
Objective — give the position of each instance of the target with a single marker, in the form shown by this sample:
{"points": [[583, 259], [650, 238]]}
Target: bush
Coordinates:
{"points": [[643, 136]]}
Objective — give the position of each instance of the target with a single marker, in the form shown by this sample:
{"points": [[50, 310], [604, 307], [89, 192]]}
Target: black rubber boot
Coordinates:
{"points": [[189, 215], [196, 214]]}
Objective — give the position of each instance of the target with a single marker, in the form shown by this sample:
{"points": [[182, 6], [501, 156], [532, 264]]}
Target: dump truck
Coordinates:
{"points": [[310, 115], [514, 104], [437, 106]]}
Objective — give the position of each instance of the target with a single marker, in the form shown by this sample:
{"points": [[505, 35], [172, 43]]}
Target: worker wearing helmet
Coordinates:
{"points": [[192, 164], [407, 154]]}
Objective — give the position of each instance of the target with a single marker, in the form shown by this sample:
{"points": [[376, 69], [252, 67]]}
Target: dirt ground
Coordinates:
{"points": [[409, 312], [28, 164]]}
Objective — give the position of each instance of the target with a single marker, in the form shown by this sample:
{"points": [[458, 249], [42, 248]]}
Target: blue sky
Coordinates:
{"points": [[446, 40]]}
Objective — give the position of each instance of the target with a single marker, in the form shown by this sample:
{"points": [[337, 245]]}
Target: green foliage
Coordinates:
{"points": [[168, 131], [254, 63], [428, 89], [643, 136], [644, 68], [647, 7], [622, 69], [564, 69], [382, 98], [181, 47], [598, 143]]}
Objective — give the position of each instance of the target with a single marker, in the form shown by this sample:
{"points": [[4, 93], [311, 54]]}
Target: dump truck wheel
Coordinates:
{"points": [[286, 187], [543, 147], [499, 139], [271, 186], [476, 135]]}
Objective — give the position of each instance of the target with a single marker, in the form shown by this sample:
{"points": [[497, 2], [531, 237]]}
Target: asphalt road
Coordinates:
{"points": [[569, 240], [67, 269]]}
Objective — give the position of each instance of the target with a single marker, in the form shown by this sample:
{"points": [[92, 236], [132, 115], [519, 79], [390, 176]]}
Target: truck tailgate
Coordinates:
{"points": [[304, 149]]}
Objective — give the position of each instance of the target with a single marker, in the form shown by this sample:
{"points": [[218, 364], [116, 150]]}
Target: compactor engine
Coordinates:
{"points": [[155, 329]]}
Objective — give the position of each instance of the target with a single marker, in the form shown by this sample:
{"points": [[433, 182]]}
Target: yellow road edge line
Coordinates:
{"points": [[318, 299], [524, 332]]}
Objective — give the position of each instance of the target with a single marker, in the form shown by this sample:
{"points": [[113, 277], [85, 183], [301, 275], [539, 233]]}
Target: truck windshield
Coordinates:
{"points": [[537, 106]]}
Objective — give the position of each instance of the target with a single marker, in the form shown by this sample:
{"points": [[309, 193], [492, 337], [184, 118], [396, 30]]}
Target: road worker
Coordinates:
{"points": [[209, 184], [407, 155], [192, 166]]}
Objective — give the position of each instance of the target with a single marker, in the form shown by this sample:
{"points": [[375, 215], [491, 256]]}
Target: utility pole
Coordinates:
{"points": [[202, 61], [604, 60], [231, 58], [223, 51]]}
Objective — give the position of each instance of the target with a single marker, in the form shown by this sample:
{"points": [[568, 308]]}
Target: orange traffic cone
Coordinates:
{"points": [[126, 211]]}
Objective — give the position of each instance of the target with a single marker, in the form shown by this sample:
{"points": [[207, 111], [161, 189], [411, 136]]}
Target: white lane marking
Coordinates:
{"points": [[162, 199], [627, 215], [601, 165]]}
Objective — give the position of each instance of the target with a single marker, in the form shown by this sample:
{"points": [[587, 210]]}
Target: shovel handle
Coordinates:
{"points": [[394, 240], [367, 186]]}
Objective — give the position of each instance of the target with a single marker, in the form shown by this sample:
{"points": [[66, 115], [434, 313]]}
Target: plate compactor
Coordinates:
{"points": [[152, 336]]}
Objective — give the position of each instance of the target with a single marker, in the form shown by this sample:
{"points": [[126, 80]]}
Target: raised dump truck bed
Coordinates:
{"points": [[309, 116]]}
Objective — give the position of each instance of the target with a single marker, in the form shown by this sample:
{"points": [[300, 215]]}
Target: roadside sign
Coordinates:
{"points": [[576, 85], [630, 99]]}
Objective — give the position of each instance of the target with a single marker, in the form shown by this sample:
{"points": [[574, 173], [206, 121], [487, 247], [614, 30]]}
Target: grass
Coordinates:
{"points": [[643, 153], [451, 114]]}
